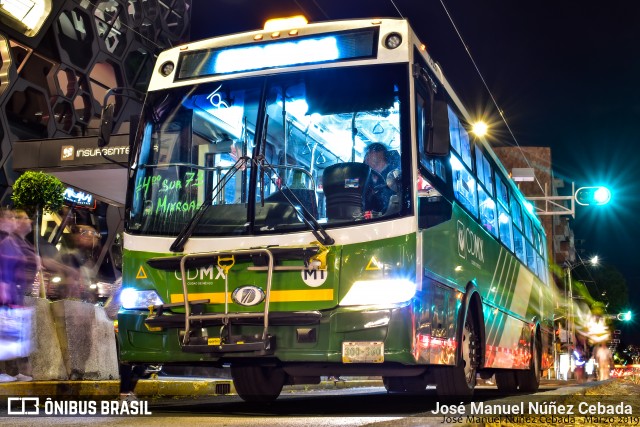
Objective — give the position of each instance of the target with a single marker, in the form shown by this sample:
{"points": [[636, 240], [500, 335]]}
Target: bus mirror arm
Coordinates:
{"points": [[106, 124], [106, 115]]}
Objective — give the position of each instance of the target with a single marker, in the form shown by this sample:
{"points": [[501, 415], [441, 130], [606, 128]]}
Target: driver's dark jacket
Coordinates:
{"points": [[379, 199]]}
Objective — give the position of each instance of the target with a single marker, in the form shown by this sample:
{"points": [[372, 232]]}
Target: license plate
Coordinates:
{"points": [[362, 352]]}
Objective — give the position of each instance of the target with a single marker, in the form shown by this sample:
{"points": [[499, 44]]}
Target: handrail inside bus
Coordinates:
{"points": [[316, 229]]}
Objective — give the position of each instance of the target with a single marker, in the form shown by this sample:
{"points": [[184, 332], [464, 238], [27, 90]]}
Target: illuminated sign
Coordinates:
{"points": [[315, 49], [79, 198]]}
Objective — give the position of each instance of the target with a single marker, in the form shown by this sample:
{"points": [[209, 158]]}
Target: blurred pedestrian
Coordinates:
{"points": [[605, 362], [579, 361], [83, 244], [15, 268]]}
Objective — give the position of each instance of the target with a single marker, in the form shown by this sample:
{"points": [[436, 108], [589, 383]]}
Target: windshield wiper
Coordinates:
{"points": [[187, 231]]}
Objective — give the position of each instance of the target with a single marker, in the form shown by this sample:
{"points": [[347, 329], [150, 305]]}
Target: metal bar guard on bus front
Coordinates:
{"points": [[225, 317]]}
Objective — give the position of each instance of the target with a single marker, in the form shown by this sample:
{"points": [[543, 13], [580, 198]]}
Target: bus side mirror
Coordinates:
{"points": [[438, 140], [106, 125]]}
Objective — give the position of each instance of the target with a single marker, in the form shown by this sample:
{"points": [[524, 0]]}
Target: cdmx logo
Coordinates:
{"points": [[23, 405], [469, 243]]}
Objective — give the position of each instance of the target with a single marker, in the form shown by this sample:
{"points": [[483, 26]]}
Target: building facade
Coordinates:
{"points": [[59, 59]]}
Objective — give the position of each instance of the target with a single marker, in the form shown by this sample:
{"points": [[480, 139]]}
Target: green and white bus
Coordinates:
{"points": [[249, 197]]}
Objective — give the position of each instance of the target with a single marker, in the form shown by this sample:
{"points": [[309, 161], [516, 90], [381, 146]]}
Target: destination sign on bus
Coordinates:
{"points": [[359, 44]]}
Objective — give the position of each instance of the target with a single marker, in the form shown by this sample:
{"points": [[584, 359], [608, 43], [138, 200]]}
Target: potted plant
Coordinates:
{"points": [[36, 193]]}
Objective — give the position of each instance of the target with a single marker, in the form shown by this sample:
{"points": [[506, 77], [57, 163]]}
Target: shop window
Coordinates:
{"points": [[102, 77], [82, 107], [111, 26], [63, 115], [148, 30], [28, 114], [174, 19], [134, 11], [36, 69], [76, 37], [67, 82]]}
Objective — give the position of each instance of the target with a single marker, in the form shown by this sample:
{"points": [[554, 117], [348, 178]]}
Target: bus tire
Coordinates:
{"points": [[258, 383], [460, 380], [393, 384], [529, 380], [506, 381]]}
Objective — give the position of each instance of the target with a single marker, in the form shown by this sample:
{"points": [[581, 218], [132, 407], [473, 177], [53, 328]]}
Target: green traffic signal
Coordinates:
{"points": [[625, 317], [592, 196]]}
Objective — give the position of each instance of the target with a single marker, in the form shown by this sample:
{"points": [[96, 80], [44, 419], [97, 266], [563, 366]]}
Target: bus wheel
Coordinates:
{"points": [[393, 384], [460, 380], [529, 380], [258, 383], [506, 381]]}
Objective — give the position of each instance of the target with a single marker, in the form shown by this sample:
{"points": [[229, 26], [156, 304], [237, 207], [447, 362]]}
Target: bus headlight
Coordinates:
{"points": [[377, 292], [133, 298]]}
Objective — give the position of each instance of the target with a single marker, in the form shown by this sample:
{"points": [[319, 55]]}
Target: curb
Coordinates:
{"points": [[110, 388]]}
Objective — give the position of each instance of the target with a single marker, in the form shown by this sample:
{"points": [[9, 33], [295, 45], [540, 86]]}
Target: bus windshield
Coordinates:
{"points": [[325, 143]]}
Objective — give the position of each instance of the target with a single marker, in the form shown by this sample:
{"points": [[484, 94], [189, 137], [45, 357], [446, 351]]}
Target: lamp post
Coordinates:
{"points": [[569, 290]]}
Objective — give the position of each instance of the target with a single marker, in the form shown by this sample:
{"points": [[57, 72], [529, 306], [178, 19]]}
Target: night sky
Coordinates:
{"points": [[565, 74]]}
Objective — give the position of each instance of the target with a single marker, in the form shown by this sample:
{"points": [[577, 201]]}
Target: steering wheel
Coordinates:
{"points": [[380, 180]]}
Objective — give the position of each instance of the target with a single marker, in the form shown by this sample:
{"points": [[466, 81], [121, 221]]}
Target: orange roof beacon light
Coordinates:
{"points": [[278, 24]]}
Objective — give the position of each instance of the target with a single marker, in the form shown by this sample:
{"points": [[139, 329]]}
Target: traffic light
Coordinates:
{"points": [[592, 196], [625, 317]]}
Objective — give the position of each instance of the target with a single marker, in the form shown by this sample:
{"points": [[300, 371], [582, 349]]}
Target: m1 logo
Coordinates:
{"points": [[314, 278], [469, 243]]}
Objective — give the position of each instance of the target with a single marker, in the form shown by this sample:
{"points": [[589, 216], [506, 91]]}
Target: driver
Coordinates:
{"points": [[378, 158]]}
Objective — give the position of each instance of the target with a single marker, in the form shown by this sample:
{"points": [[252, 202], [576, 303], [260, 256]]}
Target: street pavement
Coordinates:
{"points": [[183, 386]]}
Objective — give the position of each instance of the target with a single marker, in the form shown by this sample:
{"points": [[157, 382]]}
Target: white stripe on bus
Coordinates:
{"points": [[352, 234]]}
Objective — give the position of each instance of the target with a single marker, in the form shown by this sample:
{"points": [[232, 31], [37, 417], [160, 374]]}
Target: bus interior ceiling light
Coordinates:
{"points": [[378, 292], [278, 24]]}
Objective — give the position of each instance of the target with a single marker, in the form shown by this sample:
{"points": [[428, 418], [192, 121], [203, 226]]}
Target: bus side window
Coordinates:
{"points": [[518, 245], [464, 186], [487, 211]]}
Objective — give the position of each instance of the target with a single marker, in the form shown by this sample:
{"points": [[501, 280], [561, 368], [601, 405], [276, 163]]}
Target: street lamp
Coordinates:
{"points": [[480, 128]]}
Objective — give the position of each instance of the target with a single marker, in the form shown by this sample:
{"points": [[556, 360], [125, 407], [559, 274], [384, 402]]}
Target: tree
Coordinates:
{"points": [[38, 192], [607, 284]]}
